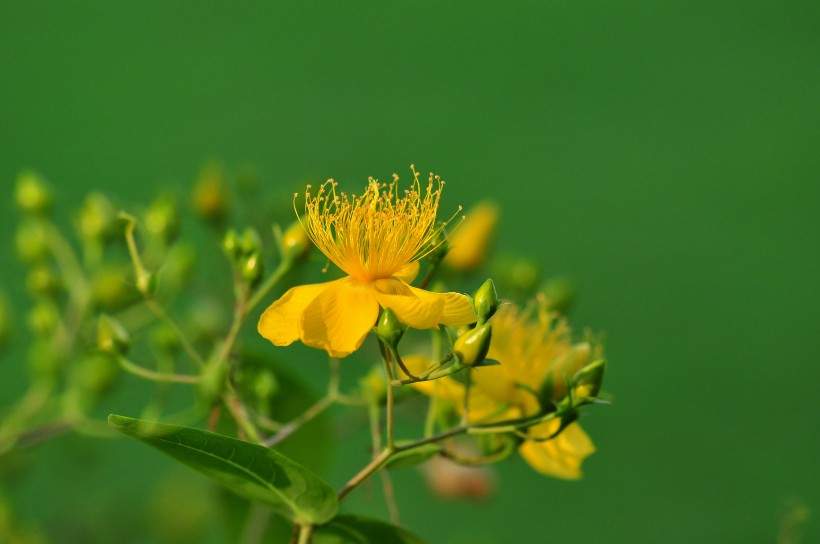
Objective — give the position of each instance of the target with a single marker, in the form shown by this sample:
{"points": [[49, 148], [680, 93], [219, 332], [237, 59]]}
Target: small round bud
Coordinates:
{"points": [[110, 288], [486, 301], [112, 337], [294, 242], [162, 219], [33, 194], [32, 242], [210, 194], [44, 318], [252, 268], [41, 281], [587, 381], [97, 219], [559, 294], [389, 329], [250, 242], [471, 347], [265, 385], [230, 244]]}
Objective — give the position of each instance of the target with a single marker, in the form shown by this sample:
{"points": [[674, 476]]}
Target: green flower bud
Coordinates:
{"points": [[110, 290], [472, 346], [294, 242], [210, 194], [43, 318], [517, 273], [32, 242], [212, 381], [33, 194], [41, 281], [486, 301], [112, 337], [559, 294], [587, 381], [97, 219], [164, 339], [162, 219], [389, 329], [250, 242], [252, 268], [265, 385], [230, 243], [94, 374]]}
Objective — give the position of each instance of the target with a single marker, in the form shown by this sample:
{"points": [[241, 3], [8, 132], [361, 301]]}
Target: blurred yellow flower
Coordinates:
{"points": [[377, 239], [470, 241], [536, 351]]}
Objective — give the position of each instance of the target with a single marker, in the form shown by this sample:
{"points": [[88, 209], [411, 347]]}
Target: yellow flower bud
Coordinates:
{"points": [[486, 301], [210, 194], [470, 241], [41, 281], [252, 268], [97, 218], [31, 241], [43, 318], [33, 194], [294, 241], [112, 337], [471, 347]]}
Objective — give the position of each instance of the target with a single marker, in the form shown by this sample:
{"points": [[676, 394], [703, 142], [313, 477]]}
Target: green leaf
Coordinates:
{"points": [[413, 457], [250, 470], [357, 530]]}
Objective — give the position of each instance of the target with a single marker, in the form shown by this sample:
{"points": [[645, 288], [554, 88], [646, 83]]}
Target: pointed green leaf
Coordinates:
{"points": [[358, 530], [250, 470]]}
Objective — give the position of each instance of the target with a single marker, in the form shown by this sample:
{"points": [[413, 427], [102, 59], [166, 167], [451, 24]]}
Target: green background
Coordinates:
{"points": [[663, 154]]}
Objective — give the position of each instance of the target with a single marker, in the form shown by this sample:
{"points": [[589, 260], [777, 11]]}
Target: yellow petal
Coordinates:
{"points": [[279, 323], [408, 272], [339, 319], [422, 309], [560, 457]]}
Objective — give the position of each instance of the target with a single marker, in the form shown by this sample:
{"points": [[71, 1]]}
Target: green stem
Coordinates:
{"points": [[153, 375], [305, 533]]}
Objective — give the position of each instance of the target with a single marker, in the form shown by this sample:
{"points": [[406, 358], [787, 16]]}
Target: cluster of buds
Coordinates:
{"points": [[473, 344], [244, 251]]}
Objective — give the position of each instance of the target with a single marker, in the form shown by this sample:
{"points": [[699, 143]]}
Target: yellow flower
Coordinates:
{"points": [[470, 241], [535, 349], [377, 239]]}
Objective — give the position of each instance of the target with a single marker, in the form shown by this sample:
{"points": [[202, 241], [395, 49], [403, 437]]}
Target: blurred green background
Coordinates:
{"points": [[663, 154]]}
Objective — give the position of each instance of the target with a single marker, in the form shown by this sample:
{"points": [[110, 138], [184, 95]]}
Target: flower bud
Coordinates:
{"points": [[32, 241], [265, 386], [210, 195], [389, 329], [294, 242], [252, 268], [43, 318], [112, 337], [587, 381], [162, 219], [250, 242], [486, 301], [146, 283], [517, 273], [33, 194], [41, 281], [559, 294], [97, 219], [230, 244], [472, 346], [470, 241], [110, 290]]}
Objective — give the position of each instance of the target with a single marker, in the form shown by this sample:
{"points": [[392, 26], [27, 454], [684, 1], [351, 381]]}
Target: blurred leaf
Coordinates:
{"points": [[248, 469], [414, 457], [357, 530]]}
